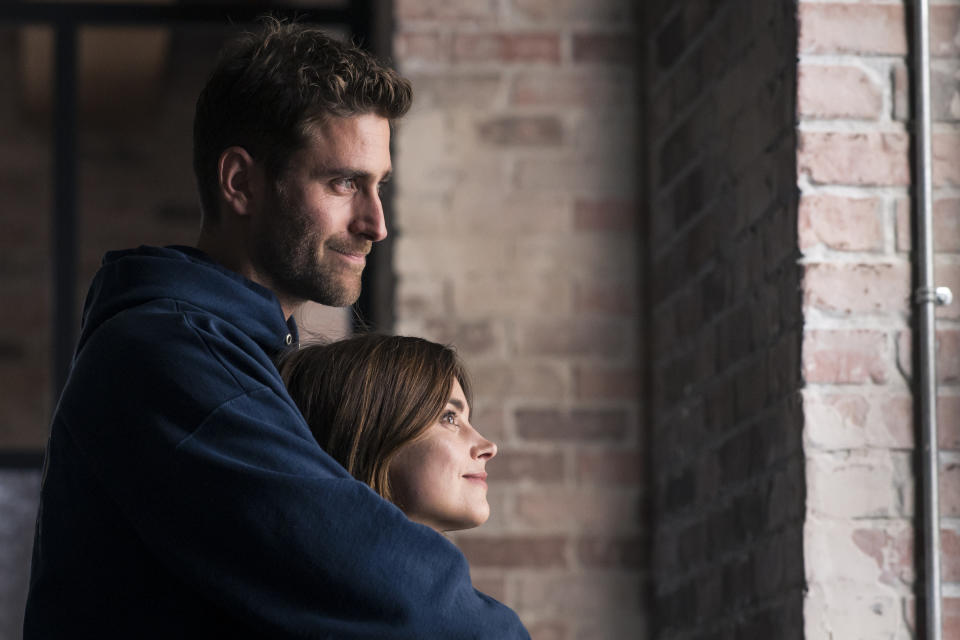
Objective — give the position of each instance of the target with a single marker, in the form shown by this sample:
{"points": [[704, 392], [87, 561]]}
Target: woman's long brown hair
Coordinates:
{"points": [[367, 396]]}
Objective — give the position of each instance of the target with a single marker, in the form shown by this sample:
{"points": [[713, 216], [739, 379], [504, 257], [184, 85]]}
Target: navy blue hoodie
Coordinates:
{"points": [[184, 496]]}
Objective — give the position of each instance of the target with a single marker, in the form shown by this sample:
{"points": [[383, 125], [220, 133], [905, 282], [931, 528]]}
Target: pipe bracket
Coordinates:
{"points": [[940, 296]]}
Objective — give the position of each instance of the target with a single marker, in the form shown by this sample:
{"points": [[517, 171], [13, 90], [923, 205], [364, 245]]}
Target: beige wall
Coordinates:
{"points": [[516, 240]]}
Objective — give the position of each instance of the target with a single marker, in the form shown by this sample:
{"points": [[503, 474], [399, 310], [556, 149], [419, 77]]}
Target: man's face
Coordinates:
{"points": [[317, 226]]}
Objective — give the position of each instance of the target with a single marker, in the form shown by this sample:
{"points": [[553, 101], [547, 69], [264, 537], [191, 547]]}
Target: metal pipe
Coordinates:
{"points": [[926, 300]]}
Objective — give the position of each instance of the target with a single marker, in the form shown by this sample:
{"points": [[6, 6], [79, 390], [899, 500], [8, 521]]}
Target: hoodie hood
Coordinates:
{"points": [[134, 277]]}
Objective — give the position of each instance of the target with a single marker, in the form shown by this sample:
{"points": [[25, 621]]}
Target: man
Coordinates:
{"points": [[183, 494]]}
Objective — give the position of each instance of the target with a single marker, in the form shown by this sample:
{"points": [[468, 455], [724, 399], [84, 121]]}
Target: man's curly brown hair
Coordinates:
{"points": [[268, 87]]}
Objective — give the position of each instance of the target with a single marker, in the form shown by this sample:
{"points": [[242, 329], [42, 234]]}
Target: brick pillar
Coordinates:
{"points": [[515, 241], [725, 322], [853, 172], [855, 225]]}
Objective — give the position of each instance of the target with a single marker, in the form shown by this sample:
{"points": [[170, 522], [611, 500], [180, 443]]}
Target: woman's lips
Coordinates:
{"points": [[477, 477]]}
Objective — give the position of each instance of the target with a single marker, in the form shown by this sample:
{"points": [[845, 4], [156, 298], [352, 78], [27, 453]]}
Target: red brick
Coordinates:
{"points": [[549, 630], [579, 509], [507, 47], [893, 553], [943, 92], [948, 421], [587, 256], [455, 89], [522, 131], [565, 11], [481, 336], [840, 223], [501, 379], [947, 274], [429, 47], [854, 356], [950, 555], [517, 213], [852, 28], [946, 225], [605, 215], [948, 356], [496, 290], [904, 348], [492, 582], [541, 552], [946, 158], [604, 552], [512, 466], [951, 618], [606, 467], [604, 47], [950, 489], [579, 173], [945, 30], [579, 88], [944, 97], [857, 288], [594, 382], [897, 412], [903, 209], [837, 92], [605, 594], [901, 92], [573, 338], [615, 298], [576, 424], [487, 416], [483, 10], [875, 159]]}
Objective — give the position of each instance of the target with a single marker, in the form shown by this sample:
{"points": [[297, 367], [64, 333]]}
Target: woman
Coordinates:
{"points": [[395, 412]]}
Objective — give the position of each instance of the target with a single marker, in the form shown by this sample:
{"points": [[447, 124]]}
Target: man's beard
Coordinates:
{"points": [[289, 256]]}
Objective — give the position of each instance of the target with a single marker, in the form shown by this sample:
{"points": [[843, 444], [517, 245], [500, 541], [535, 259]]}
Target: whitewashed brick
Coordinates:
{"points": [[859, 484]]}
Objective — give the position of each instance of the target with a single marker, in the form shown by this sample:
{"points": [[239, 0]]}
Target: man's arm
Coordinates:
{"points": [[248, 510]]}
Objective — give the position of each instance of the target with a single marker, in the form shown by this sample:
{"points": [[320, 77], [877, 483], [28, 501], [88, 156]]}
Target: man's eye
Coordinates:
{"points": [[345, 184]]}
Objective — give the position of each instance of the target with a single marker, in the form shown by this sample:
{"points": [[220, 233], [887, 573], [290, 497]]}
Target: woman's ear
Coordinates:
{"points": [[239, 180]]}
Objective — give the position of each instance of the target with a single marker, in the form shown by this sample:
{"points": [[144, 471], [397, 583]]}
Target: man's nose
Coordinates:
{"points": [[368, 219]]}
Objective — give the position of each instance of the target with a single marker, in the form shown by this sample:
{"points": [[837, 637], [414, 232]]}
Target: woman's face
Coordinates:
{"points": [[439, 479]]}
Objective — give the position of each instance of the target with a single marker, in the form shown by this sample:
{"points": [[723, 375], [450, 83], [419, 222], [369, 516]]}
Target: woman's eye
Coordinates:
{"points": [[450, 418]]}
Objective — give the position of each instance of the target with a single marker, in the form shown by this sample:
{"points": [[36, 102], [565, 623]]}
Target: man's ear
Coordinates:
{"points": [[239, 180]]}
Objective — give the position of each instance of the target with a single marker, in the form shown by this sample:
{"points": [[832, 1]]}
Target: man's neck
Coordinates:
{"points": [[230, 252]]}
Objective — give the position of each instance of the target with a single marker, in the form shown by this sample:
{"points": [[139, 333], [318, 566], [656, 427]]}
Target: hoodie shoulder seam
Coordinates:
{"points": [[213, 354]]}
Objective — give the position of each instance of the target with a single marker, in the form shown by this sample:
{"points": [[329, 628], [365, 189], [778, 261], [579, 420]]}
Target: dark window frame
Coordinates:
{"points": [[370, 26]]}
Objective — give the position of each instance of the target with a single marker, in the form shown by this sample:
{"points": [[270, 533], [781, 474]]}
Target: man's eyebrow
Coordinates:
{"points": [[348, 172]]}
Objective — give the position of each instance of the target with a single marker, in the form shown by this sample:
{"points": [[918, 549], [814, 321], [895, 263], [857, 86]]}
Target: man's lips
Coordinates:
{"points": [[358, 256]]}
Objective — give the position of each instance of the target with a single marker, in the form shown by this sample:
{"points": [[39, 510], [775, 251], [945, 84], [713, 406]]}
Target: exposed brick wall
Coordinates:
{"points": [[727, 466], [24, 264], [516, 240], [859, 433], [945, 106]]}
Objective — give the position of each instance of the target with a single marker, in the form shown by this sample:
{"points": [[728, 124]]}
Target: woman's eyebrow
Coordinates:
{"points": [[456, 403]]}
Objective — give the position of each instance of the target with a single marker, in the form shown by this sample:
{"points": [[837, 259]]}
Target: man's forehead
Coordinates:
{"points": [[364, 125], [354, 144]]}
